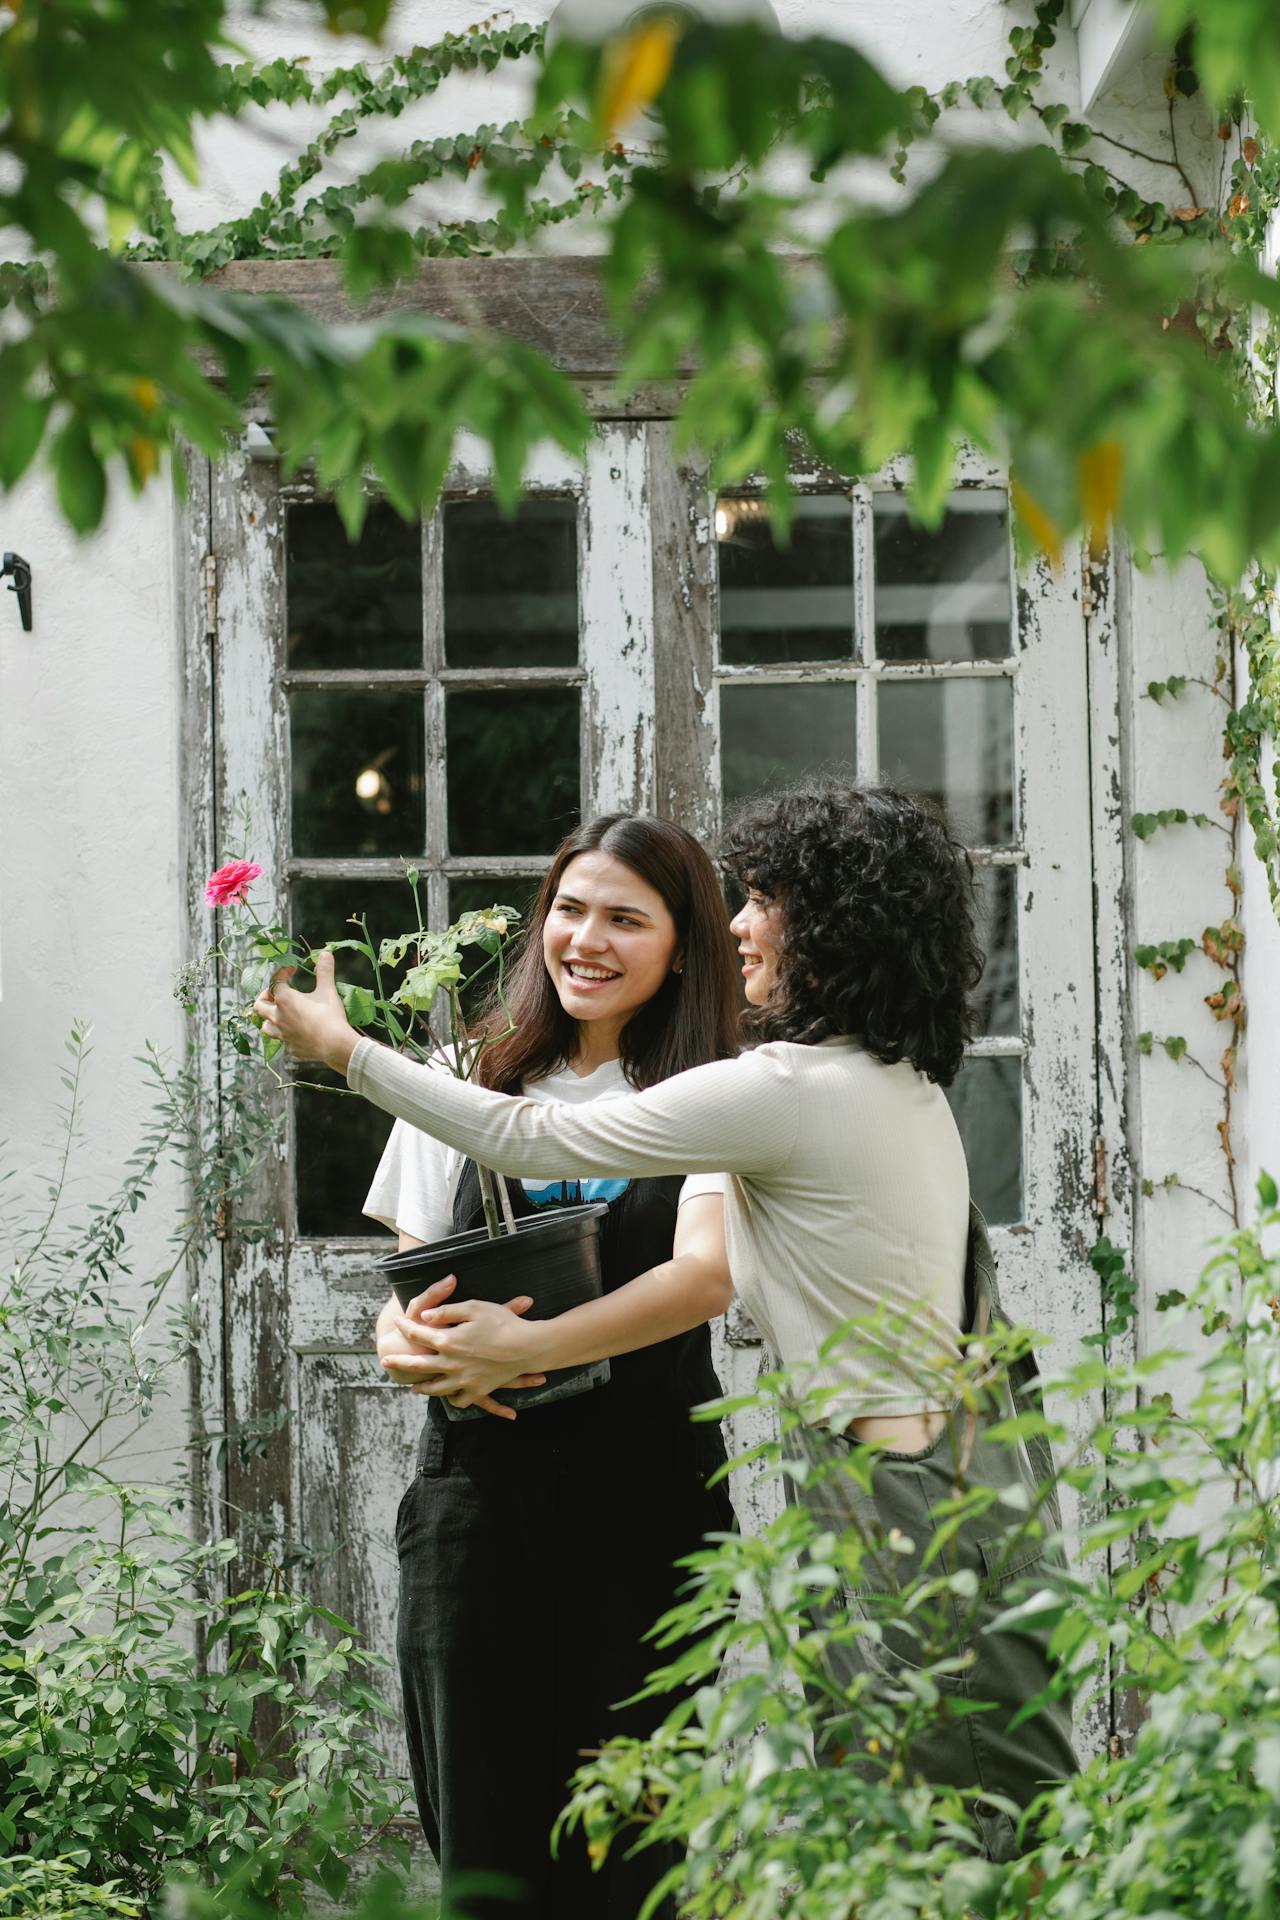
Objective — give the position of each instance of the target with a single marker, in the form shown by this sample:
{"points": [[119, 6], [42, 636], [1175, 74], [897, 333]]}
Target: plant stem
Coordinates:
{"points": [[488, 1202]]}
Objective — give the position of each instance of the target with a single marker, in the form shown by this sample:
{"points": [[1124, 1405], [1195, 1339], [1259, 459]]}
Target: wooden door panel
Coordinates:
{"points": [[357, 1441]]}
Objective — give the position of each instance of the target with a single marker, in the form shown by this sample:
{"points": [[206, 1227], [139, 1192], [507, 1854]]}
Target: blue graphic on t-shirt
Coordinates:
{"points": [[572, 1193]]}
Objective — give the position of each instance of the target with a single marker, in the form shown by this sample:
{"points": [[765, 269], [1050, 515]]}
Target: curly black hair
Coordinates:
{"points": [[877, 904]]}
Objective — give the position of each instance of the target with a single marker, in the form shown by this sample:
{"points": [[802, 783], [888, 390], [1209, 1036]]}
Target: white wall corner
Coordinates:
{"points": [[1111, 37], [1260, 967], [1260, 976]]}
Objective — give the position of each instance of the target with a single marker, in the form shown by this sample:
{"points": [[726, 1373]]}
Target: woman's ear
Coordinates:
{"points": [[677, 965]]}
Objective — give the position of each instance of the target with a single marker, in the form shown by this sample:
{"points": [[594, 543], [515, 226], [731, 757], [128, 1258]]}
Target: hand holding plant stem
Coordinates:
{"points": [[324, 1023]]}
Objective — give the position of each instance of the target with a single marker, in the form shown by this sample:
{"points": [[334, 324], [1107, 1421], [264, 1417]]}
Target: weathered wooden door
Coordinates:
{"points": [[459, 694], [864, 643]]}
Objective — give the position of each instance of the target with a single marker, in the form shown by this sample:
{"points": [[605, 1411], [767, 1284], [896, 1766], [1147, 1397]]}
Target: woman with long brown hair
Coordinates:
{"points": [[536, 1554]]}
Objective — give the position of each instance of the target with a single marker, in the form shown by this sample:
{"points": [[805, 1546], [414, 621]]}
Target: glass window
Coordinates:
{"points": [[471, 895], [986, 1099], [511, 584], [951, 741], [338, 1140], [996, 1001], [945, 594], [356, 773], [513, 769], [785, 601], [770, 734], [322, 910], [352, 603]]}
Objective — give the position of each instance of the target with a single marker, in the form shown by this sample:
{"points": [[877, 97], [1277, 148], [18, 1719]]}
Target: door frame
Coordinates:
{"points": [[557, 305]]}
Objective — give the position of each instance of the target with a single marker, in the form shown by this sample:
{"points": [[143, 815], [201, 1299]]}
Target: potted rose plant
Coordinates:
{"points": [[553, 1256]]}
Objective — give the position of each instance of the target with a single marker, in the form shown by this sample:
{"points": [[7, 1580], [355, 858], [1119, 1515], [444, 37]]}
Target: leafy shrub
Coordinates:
{"points": [[1181, 1816], [57, 1890], [124, 1756]]}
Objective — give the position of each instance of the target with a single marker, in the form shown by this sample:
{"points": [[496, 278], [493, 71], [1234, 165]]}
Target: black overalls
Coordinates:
{"points": [[534, 1556]]}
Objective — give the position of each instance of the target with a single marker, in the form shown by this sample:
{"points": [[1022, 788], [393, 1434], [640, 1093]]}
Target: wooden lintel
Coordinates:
{"points": [[557, 305]]}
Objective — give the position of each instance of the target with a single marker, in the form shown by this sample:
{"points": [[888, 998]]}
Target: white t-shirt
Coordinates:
{"points": [[417, 1178]]}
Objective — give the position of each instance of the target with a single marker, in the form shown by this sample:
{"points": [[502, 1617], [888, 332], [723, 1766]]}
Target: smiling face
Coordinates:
{"points": [[757, 928], [608, 941]]}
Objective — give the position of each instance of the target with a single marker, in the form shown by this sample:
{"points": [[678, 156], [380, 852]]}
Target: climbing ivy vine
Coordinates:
{"points": [[285, 225]]}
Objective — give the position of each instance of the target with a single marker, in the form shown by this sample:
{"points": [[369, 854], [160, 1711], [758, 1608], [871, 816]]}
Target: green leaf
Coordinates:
{"points": [[359, 1004], [376, 255], [82, 482], [22, 424], [354, 946], [1267, 1193]]}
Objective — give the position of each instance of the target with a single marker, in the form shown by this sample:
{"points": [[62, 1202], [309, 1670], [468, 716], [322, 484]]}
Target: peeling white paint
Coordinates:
{"points": [[617, 624]]}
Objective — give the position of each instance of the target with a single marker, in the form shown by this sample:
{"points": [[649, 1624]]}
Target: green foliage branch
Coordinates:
{"points": [[1185, 1818], [414, 975], [105, 361], [132, 1739]]}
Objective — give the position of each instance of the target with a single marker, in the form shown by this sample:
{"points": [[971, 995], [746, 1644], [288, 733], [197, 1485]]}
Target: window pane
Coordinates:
{"points": [[769, 735], [943, 595], [511, 584], [513, 757], [468, 895], [785, 602], [322, 911], [353, 604], [986, 1099], [355, 762], [996, 998], [951, 741], [338, 1141]]}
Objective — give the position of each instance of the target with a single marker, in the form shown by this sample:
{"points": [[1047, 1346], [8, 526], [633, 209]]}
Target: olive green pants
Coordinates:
{"points": [[1003, 1670]]}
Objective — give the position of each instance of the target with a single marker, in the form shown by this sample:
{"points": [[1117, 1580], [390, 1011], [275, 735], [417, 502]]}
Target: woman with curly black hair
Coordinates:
{"points": [[848, 1202], [872, 906]]}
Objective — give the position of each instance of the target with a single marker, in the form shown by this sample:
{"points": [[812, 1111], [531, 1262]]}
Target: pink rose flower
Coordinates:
{"points": [[230, 884]]}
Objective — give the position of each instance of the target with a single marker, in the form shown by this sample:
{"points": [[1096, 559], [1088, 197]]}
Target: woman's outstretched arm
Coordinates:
{"points": [[732, 1116]]}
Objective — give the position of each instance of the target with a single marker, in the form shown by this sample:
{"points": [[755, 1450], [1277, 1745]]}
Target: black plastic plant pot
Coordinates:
{"points": [[554, 1257]]}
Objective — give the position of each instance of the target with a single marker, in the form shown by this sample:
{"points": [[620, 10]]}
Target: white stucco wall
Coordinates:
{"points": [[90, 796], [90, 901]]}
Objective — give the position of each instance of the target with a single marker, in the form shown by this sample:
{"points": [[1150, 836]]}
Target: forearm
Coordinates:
{"points": [[668, 1300], [734, 1116]]}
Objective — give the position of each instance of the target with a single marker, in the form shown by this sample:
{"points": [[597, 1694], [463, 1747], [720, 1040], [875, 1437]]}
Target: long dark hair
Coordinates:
{"points": [[877, 907], [692, 1018]]}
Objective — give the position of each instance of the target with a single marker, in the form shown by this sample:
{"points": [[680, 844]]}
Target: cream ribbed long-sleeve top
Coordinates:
{"points": [[848, 1195]]}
